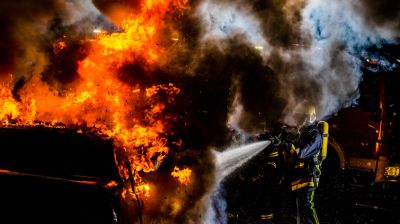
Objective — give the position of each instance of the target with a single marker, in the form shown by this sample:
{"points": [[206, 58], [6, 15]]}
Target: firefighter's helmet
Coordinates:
{"points": [[311, 114], [305, 113]]}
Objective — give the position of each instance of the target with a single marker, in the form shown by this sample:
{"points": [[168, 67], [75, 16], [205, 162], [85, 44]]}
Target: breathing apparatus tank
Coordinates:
{"points": [[324, 126]]}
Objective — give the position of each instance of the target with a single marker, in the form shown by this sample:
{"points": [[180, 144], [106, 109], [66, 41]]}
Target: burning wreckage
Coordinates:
{"points": [[98, 130], [121, 111]]}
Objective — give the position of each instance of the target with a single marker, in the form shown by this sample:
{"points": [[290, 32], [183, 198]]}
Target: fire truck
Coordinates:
{"points": [[364, 146], [364, 136]]}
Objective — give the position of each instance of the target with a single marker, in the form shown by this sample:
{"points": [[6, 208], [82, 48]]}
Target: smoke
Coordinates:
{"points": [[31, 29], [226, 20], [310, 51], [380, 17], [76, 11], [339, 35], [217, 207], [20, 27]]}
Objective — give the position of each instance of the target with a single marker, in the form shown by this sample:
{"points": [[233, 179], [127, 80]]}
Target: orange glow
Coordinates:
{"points": [[99, 100], [8, 106], [182, 175], [378, 143], [170, 89], [143, 189], [59, 46], [380, 131]]}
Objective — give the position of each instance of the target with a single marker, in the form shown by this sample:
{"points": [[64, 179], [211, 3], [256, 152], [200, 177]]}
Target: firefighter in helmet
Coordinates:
{"points": [[294, 164], [307, 154]]}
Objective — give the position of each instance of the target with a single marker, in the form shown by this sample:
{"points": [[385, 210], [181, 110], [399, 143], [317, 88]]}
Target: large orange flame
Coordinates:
{"points": [[128, 113]]}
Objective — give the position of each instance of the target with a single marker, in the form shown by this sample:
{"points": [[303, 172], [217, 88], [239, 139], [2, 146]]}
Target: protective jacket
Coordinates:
{"points": [[307, 161], [300, 171], [306, 172]]}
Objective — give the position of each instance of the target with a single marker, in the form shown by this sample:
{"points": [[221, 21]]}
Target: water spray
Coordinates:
{"points": [[226, 163], [231, 159]]}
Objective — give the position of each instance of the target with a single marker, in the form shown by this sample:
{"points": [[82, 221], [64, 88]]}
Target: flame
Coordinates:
{"points": [[144, 189], [378, 143], [58, 46], [130, 114], [182, 175], [9, 107]]}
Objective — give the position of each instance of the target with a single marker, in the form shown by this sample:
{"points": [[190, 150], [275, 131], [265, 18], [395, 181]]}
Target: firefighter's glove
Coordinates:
{"points": [[275, 141]]}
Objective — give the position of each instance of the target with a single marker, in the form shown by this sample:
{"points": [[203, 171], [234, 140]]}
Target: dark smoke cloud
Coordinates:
{"points": [[13, 16], [255, 35], [106, 6], [8, 48], [281, 21], [30, 30], [384, 13], [242, 64], [28, 9]]}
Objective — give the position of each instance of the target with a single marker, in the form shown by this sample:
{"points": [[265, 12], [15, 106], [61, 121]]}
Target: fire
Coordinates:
{"points": [[170, 89], [9, 107], [182, 175], [100, 101], [58, 46], [144, 189]]}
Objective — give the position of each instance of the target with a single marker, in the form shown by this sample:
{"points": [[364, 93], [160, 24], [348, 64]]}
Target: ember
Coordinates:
{"points": [[183, 175]]}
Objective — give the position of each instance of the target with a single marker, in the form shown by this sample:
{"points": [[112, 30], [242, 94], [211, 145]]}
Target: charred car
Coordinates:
{"points": [[57, 175]]}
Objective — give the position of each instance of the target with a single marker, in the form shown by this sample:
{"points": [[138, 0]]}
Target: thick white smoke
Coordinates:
{"points": [[85, 17], [79, 10], [343, 20], [339, 35], [325, 60], [225, 20]]}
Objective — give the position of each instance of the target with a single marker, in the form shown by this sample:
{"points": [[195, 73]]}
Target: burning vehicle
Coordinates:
{"points": [[53, 175], [53, 121]]}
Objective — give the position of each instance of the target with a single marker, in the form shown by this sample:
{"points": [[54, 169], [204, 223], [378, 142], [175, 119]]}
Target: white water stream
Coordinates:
{"points": [[226, 162], [232, 158]]}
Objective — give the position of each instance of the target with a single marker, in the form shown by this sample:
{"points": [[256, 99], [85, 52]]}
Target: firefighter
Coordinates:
{"points": [[305, 167], [294, 167], [274, 171], [276, 162]]}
